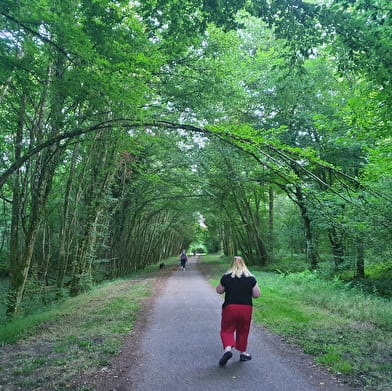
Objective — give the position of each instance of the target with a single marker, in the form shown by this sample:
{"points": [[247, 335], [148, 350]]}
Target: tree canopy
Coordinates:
{"points": [[125, 122]]}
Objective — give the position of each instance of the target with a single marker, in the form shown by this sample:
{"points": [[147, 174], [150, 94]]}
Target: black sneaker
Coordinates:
{"points": [[225, 358], [245, 357]]}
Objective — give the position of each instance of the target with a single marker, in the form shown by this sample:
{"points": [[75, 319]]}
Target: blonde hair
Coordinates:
{"points": [[238, 268]]}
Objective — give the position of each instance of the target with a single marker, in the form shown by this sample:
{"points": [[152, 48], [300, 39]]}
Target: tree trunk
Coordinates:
{"points": [[65, 223], [14, 257], [271, 219], [336, 241], [252, 243], [95, 189], [40, 191], [360, 273], [311, 253], [19, 276], [44, 262]]}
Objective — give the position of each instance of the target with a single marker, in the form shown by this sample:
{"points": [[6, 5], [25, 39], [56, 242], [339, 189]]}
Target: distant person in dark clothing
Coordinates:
{"points": [[183, 259], [239, 286]]}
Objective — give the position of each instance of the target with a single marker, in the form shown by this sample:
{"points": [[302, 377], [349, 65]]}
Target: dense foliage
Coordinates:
{"points": [[124, 123]]}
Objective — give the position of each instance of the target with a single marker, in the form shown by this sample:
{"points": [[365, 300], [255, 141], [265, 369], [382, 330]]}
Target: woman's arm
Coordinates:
{"points": [[220, 289], [256, 291]]}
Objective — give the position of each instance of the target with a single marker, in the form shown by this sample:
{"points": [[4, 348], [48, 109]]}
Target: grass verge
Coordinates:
{"points": [[47, 351], [346, 330]]}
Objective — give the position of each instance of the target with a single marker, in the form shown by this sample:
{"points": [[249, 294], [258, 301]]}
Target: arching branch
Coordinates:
{"points": [[40, 36], [246, 144]]}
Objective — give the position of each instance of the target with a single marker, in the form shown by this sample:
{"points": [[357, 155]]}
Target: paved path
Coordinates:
{"points": [[180, 348]]}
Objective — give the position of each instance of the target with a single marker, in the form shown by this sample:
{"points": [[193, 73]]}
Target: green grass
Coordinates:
{"points": [[37, 305], [345, 329], [333, 359], [48, 350], [20, 327], [285, 264]]}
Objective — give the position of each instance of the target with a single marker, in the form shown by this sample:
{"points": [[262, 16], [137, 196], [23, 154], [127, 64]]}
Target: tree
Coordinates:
{"points": [[66, 71], [102, 130]]}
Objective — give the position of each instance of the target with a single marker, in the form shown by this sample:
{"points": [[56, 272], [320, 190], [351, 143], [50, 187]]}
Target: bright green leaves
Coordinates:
{"points": [[379, 168], [177, 19]]}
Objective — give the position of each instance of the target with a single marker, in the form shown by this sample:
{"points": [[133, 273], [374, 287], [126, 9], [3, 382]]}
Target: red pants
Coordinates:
{"points": [[235, 326]]}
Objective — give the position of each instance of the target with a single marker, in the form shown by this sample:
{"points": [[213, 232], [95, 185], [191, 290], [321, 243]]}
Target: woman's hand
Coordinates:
{"points": [[220, 289], [256, 292]]}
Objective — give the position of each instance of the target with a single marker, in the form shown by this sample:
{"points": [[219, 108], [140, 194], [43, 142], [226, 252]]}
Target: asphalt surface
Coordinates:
{"points": [[180, 348]]}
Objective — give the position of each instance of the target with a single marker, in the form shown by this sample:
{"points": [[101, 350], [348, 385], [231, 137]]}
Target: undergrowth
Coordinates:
{"points": [[344, 328]]}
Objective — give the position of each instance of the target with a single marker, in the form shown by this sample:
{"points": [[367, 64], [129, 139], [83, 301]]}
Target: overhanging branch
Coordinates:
{"points": [[228, 137]]}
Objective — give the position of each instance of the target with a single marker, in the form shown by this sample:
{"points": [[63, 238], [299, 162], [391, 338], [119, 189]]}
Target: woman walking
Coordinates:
{"points": [[239, 286], [183, 259]]}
